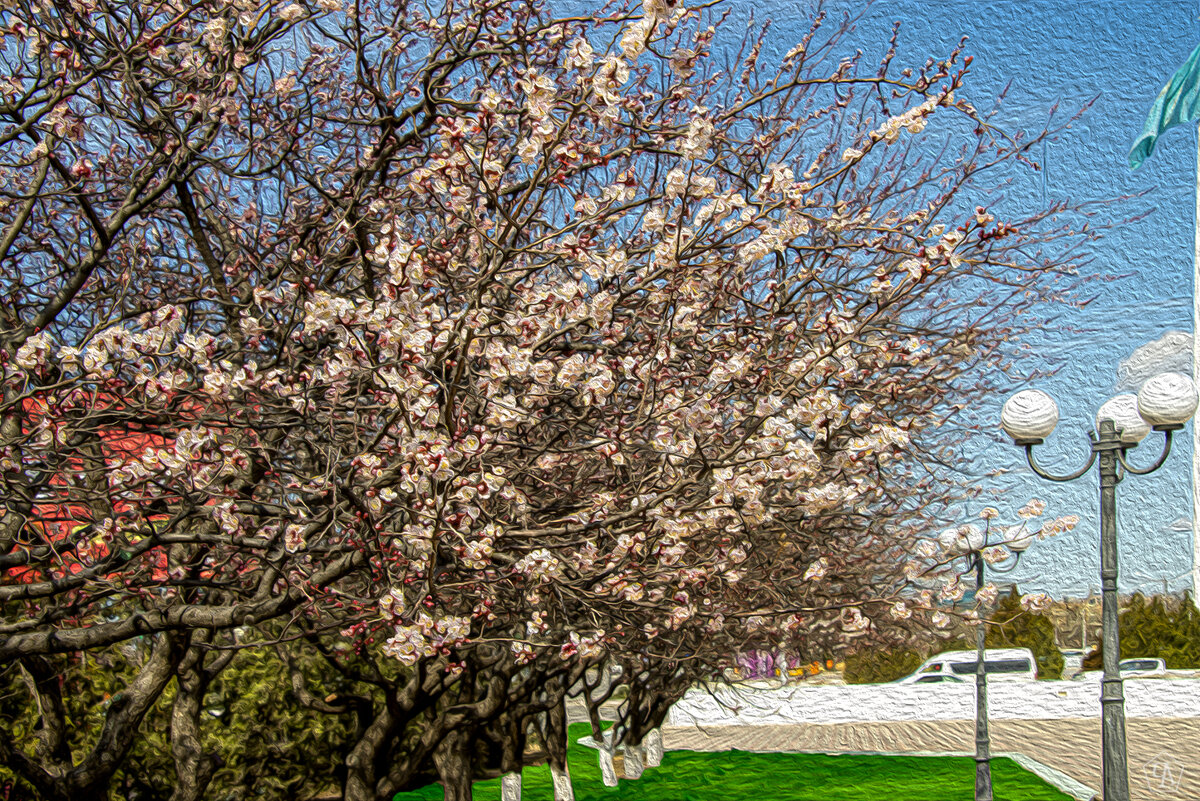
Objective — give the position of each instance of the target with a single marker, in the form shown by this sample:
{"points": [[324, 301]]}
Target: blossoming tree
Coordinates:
{"points": [[473, 346]]}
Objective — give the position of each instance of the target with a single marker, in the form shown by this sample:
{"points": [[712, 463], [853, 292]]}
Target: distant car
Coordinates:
{"points": [[1142, 667], [936, 678], [999, 664], [1130, 669]]}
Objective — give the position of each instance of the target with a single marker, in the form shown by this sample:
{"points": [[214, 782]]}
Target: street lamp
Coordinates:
{"points": [[1165, 403], [970, 542]]}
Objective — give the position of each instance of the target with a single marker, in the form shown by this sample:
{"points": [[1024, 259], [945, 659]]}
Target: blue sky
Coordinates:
{"points": [[1068, 53]]}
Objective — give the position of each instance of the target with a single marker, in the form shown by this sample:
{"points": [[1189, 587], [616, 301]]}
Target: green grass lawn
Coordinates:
{"points": [[742, 776]]}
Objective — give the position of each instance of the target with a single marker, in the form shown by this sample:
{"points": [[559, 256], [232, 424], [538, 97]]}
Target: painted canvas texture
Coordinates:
{"points": [[535, 399]]}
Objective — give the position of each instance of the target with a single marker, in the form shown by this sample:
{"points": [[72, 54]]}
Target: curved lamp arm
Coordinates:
{"points": [[1157, 464], [1033, 465], [974, 557], [1016, 555]]}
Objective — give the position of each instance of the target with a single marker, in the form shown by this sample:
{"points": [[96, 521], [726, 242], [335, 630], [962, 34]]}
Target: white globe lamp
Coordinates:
{"points": [[951, 542], [973, 537], [1168, 400], [1123, 411], [1019, 539], [1029, 416]]}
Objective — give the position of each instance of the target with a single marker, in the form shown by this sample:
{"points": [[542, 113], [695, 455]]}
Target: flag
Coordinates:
{"points": [[1177, 103]]}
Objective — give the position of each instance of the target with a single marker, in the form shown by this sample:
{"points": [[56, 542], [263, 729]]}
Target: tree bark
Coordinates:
{"points": [[595, 693], [654, 748], [634, 761], [510, 787], [452, 759], [562, 783], [360, 763], [194, 768], [555, 736], [608, 771]]}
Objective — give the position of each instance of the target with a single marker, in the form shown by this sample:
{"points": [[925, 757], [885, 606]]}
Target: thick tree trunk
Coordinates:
{"points": [[194, 768], [555, 735], [654, 748], [510, 787], [360, 762], [634, 761], [512, 757], [608, 771], [89, 779], [604, 754], [453, 762], [562, 783]]}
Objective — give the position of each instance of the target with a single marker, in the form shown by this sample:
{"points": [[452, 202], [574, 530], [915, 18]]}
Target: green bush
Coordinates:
{"points": [[267, 744], [874, 667], [1157, 628], [1011, 626]]}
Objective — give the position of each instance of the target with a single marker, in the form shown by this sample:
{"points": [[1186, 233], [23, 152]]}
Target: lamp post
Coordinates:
{"points": [[1166, 402], [971, 543]]}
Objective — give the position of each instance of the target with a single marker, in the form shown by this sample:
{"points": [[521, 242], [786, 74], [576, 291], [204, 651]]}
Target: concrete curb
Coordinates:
{"points": [[1050, 775]]}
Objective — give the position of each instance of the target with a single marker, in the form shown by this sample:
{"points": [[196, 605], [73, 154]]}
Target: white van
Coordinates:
{"points": [[998, 663]]}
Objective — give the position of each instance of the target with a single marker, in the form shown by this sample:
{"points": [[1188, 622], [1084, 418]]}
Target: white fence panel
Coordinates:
{"points": [[865, 703]]}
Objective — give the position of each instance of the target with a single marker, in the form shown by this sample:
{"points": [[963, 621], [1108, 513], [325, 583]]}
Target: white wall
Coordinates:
{"points": [[738, 705]]}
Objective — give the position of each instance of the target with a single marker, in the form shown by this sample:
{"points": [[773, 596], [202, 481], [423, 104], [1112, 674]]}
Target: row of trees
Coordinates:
{"points": [[1013, 622], [1161, 627], [426, 358]]}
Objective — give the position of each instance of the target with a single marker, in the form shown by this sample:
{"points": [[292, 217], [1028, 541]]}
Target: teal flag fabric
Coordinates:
{"points": [[1178, 102]]}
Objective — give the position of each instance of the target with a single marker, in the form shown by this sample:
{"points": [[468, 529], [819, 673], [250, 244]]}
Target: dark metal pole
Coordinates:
{"points": [[983, 766], [1108, 449], [1112, 695]]}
